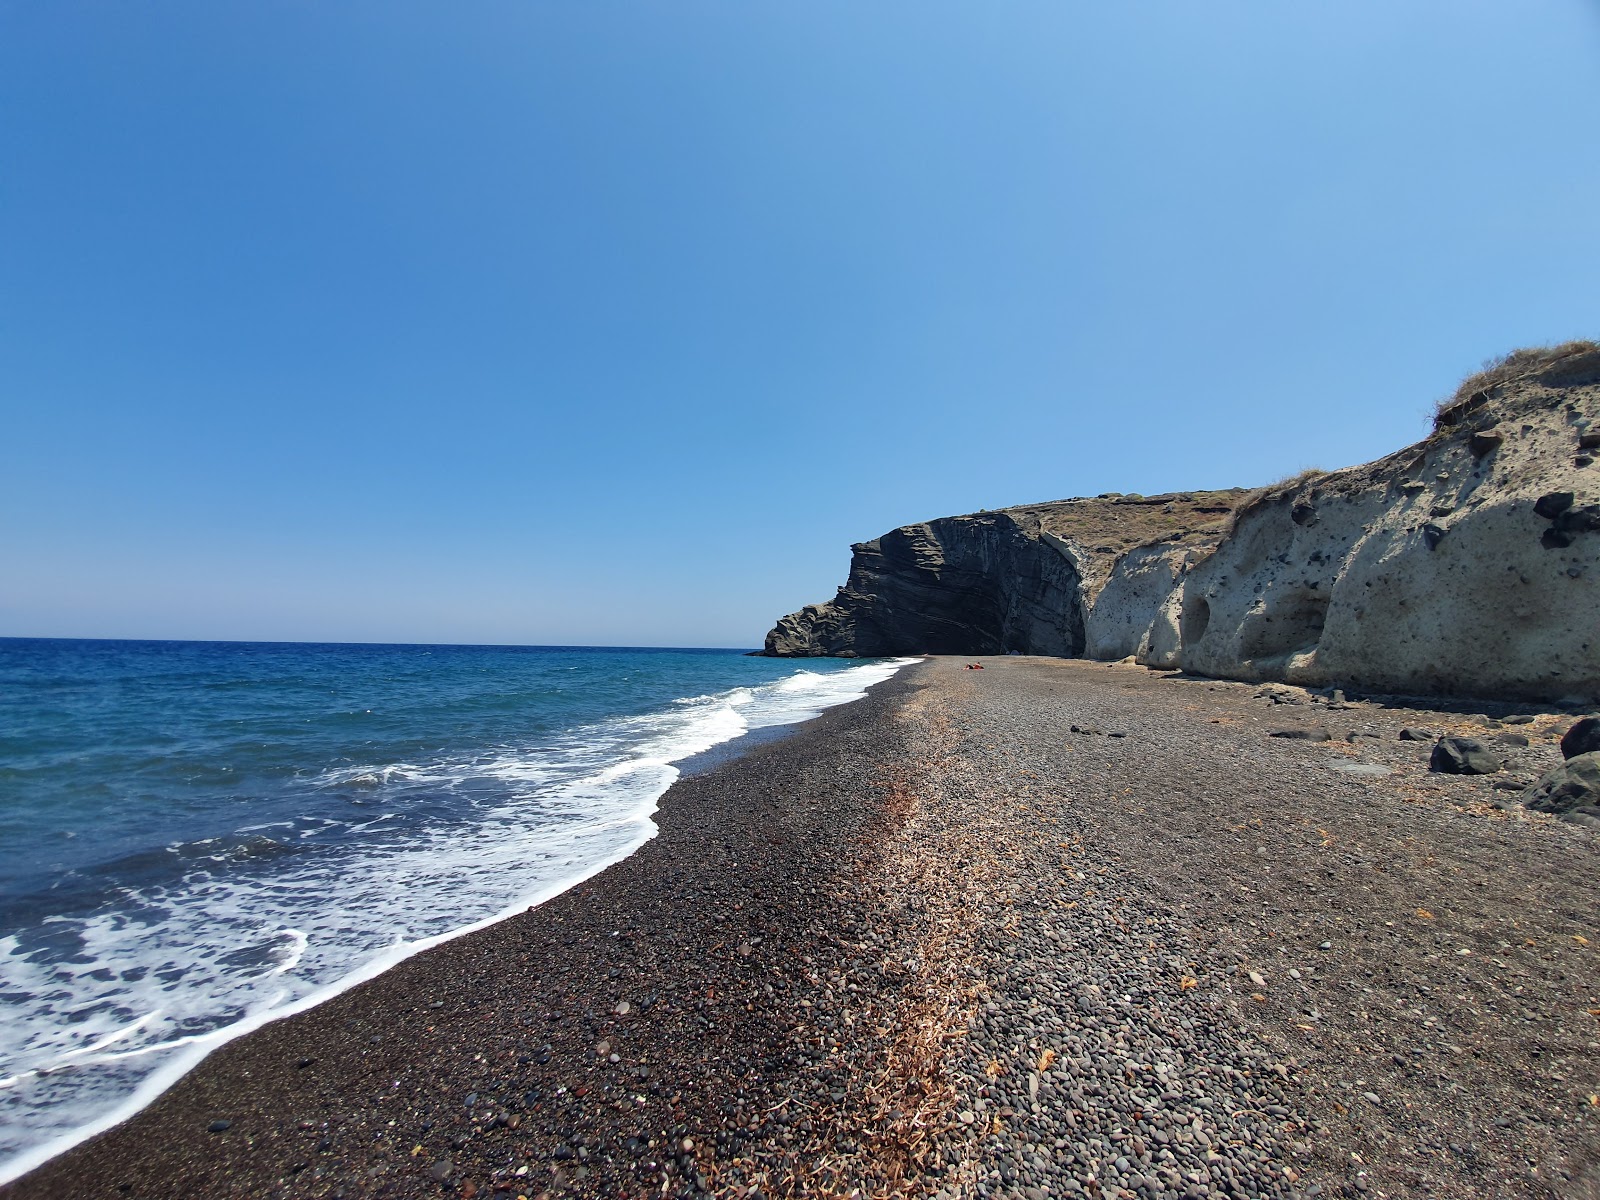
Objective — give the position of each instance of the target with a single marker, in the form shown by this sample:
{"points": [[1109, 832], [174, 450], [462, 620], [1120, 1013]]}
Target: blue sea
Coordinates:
{"points": [[197, 837]]}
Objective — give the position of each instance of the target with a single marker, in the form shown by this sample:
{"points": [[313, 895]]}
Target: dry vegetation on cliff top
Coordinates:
{"points": [[1560, 365], [1115, 523], [1567, 364]]}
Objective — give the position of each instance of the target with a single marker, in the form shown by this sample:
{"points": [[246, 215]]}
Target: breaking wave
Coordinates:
{"points": [[107, 1003]]}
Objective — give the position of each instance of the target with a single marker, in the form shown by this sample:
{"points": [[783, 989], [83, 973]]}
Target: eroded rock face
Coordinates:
{"points": [[1466, 565], [983, 584], [1022, 579], [1121, 618]]}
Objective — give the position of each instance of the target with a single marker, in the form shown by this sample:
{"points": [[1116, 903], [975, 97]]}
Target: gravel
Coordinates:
{"points": [[939, 943], [1217, 962]]}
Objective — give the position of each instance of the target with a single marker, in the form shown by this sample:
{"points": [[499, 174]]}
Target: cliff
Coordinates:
{"points": [[1023, 579], [1467, 564]]}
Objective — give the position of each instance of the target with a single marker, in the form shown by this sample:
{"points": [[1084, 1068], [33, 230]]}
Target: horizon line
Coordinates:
{"points": [[299, 642]]}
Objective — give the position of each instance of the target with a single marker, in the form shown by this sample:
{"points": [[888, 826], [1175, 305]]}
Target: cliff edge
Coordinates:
{"points": [[1024, 579], [1467, 564]]}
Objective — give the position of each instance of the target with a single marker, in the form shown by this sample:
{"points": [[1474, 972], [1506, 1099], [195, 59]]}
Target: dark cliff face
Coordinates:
{"points": [[1017, 579], [982, 584]]}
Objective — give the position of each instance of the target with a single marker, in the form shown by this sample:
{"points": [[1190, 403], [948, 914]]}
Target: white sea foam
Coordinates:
{"points": [[146, 990]]}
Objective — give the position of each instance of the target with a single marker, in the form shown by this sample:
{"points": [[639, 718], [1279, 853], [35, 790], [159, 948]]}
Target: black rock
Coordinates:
{"points": [[219, 1127], [1578, 520], [1582, 738], [1481, 443], [1463, 756], [1517, 719], [1574, 785], [1432, 535], [1410, 734], [1317, 734], [1511, 739], [441, 1170], [1552, 504], [1017, 593], [1550, 539]]}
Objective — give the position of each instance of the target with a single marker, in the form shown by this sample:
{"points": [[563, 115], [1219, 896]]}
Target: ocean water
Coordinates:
{"points": [[197, 837]]}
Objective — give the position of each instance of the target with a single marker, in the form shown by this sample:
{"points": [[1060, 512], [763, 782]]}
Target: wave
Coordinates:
{"points": [[104, 1011]]}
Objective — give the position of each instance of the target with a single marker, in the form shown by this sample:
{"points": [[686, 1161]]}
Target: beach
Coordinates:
{"points": [[1051, 928]]}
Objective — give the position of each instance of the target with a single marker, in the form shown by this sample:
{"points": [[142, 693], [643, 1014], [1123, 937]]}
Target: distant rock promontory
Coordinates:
{"points": [[1467, 564]]}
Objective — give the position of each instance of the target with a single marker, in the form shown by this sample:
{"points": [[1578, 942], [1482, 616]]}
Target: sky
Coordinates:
{"points": [[615, 323]]}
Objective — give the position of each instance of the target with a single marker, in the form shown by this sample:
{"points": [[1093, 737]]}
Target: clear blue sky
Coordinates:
{"points": [[537, 321]]}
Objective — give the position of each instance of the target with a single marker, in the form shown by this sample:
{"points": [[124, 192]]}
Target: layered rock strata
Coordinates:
{"points": [[1023, 579], [1467, 564]]}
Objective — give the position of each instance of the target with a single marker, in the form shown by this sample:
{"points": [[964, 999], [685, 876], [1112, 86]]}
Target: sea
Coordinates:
{"points": [[199, 837]]}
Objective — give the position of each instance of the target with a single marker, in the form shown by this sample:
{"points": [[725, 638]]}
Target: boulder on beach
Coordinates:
{"points": [[1582, 738], [1463, 756], [1573, 787]]}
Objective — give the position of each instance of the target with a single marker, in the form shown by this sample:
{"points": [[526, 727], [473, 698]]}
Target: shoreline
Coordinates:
{"points": [[189, 1053], [1052, 929], [124, 1149]]}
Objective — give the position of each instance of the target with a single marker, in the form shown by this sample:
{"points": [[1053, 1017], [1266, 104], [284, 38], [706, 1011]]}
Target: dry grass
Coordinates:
{"points": [[1114, 524], [1506, 369], [1256, 497]]}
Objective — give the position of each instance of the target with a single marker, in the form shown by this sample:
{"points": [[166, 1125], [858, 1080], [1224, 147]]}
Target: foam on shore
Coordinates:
{"points": [[181, 969]]}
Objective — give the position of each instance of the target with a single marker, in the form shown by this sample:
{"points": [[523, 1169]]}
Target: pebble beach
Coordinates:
{"points": [[1049, 929]]}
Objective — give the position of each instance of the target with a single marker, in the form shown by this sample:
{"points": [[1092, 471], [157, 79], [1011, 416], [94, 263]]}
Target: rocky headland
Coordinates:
{"points": [[1467, 564]]}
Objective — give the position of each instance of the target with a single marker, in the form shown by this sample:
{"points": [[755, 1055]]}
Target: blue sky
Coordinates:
{"points": [[616, 323]]}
